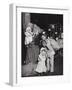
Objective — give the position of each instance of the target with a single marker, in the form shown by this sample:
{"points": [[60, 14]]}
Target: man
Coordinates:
{"points": [[50, 52]]}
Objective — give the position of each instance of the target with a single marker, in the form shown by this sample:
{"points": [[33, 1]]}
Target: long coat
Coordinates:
{"points": [[32, 53]]}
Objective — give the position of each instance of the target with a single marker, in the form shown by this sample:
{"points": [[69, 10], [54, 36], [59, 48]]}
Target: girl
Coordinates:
{"points": [[41, 67]]}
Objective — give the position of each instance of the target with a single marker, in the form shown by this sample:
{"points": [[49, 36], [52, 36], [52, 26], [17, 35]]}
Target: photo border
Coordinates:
{"points": [[15, 79]]}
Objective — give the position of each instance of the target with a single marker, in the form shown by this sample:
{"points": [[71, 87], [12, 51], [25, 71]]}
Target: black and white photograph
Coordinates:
{"points": [[41, 44]]}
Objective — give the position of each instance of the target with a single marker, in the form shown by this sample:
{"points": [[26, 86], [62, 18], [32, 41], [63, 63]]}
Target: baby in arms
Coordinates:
{"points": [[28, 35]]}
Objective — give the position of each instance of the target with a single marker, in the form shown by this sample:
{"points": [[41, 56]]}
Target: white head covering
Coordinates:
{"points": [[43, 49]]}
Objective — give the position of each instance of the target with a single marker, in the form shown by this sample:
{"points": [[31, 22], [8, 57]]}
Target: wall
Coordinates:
{"points": [[4, 41]]}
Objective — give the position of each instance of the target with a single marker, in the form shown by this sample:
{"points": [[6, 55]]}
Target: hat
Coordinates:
{"points": [[43, 49]]}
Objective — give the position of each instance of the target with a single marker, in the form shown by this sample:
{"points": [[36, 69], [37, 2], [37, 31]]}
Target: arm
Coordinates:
{"points": [[39, 59]]}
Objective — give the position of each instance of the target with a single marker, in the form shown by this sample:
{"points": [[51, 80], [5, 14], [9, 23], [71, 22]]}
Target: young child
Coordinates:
{"points": [[28, 36], [41, 67]]}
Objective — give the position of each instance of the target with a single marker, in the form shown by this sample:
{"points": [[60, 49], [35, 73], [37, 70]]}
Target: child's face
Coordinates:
{"points": [[29, 32], [28, 29], [43, 53]]}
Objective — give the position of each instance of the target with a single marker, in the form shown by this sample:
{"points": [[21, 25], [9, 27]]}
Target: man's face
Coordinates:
{"points": [[43, 37]]}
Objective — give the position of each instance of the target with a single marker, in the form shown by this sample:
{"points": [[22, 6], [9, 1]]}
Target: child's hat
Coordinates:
{"points": [[43, 49]]}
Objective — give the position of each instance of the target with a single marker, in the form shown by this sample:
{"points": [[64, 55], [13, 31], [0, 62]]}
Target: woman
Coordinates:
{"points": [[32, 48], [32, 52]]}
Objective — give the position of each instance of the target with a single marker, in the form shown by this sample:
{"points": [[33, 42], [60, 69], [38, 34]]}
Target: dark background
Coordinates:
{"points": [[43, 20]]}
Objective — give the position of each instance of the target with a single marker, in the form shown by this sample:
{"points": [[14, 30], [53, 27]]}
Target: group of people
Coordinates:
{"points": [[42, 56], [47, 53]]}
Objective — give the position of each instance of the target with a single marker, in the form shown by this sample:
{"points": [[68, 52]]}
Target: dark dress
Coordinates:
{"points": [[32, 53], [31, 60]]}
